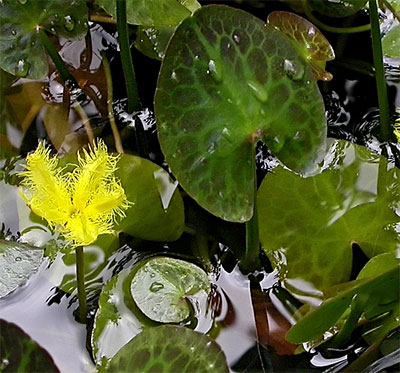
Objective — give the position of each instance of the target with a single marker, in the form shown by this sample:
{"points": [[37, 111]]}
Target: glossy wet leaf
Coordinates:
{"points": [[162, 285], [391, 43], [152, 13], [170, 348], [307, 39], [21, 49], [153, 41], [226, 81], [319, 320], [157, 213], [340, 8], [19, 353], [18, 262], [307, 225], [379, 264]]}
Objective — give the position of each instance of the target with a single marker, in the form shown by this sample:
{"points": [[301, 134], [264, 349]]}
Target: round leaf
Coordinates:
{"points": [[21, 49], [170, 349], [18, 262], [160, 288], [307, 225], [226, 81], [157, 213], [341, 8]]}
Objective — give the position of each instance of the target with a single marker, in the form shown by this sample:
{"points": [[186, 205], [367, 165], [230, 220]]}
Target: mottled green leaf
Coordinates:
{"points": [[152, 13], [157, 213], [391, 43], [161, 286], [319, 320], [340, 8], [307, 39], [19, 353], [307, 225], [21, 49], [226, 81], [170, 348], [18, 262]]}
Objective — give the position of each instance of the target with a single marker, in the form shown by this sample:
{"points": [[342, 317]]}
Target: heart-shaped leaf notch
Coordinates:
{"points": [[228, 80], [306, 39], [21, 49]]}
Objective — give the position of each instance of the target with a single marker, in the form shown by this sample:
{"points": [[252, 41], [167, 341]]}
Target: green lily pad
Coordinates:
{"points": [[391, 43], [306, 39], [341, 8], [156, 13], [21, 49], [307, 225], [161, 286], [19, 353], [226, 81], [18, 262], [157, 213], [170, 348], [319, 320]]}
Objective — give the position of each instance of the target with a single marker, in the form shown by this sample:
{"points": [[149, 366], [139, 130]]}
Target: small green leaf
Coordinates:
{"points": [[157, 13], [379, 264], [161, 286], [19, 353], [170, 349], [18, 262], [21, 49], [157, 213], [391, 43], [226, 81], [307, 225]]}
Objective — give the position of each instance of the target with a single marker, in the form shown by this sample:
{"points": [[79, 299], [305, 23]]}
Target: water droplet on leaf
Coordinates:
{"points": [[258, 90], [215, 70], [156, 286], [22, 68], [69, 23], [13, 32], [294, 70]]}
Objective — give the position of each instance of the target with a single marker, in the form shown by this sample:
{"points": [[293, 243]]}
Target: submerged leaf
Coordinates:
{"points": [[170, 349], [226, 81]]}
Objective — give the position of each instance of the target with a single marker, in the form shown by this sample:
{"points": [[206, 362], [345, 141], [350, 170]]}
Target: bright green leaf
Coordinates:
{"points": [[391, 43], [18, 262], [170, 349], [307, 225], [157, 213], [21, 50], [379, 264], [227, 80], [161, 286]]}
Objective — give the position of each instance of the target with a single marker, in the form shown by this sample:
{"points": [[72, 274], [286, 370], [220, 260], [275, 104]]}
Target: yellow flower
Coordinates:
{"points": [[396, 130], [82, 203]]}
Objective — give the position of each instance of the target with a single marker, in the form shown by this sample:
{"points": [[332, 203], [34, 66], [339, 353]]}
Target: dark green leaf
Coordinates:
{"points": [[19, 353], [307, 225], [170, 349], [161, 286], [226, 81], [341, 8], [21, 50], [18, 262], [157, 213]]}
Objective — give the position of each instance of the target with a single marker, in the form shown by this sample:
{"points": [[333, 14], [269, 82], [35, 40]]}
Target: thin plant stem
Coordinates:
{"points": [[114, 128], [80, 279], [250, 262], [379, 71], [336, 30], [127, 65], [102, 18], [86, 123]]}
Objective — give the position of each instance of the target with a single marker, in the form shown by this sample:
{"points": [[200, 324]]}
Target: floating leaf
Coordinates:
{"points": [[391, 43], [157, 13], [161, 286], [18, 262], [340, 8], [306, 39], [170, 349], [21, 49], [307, 225], [157, 213], [152, 41], [225, 83], [319, 320], [19, 353]]}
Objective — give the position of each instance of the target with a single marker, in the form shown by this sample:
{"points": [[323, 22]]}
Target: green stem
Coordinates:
{"points": [[80, 279], [127, 65], [379, 71], [250, 262], [336, 30]]}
